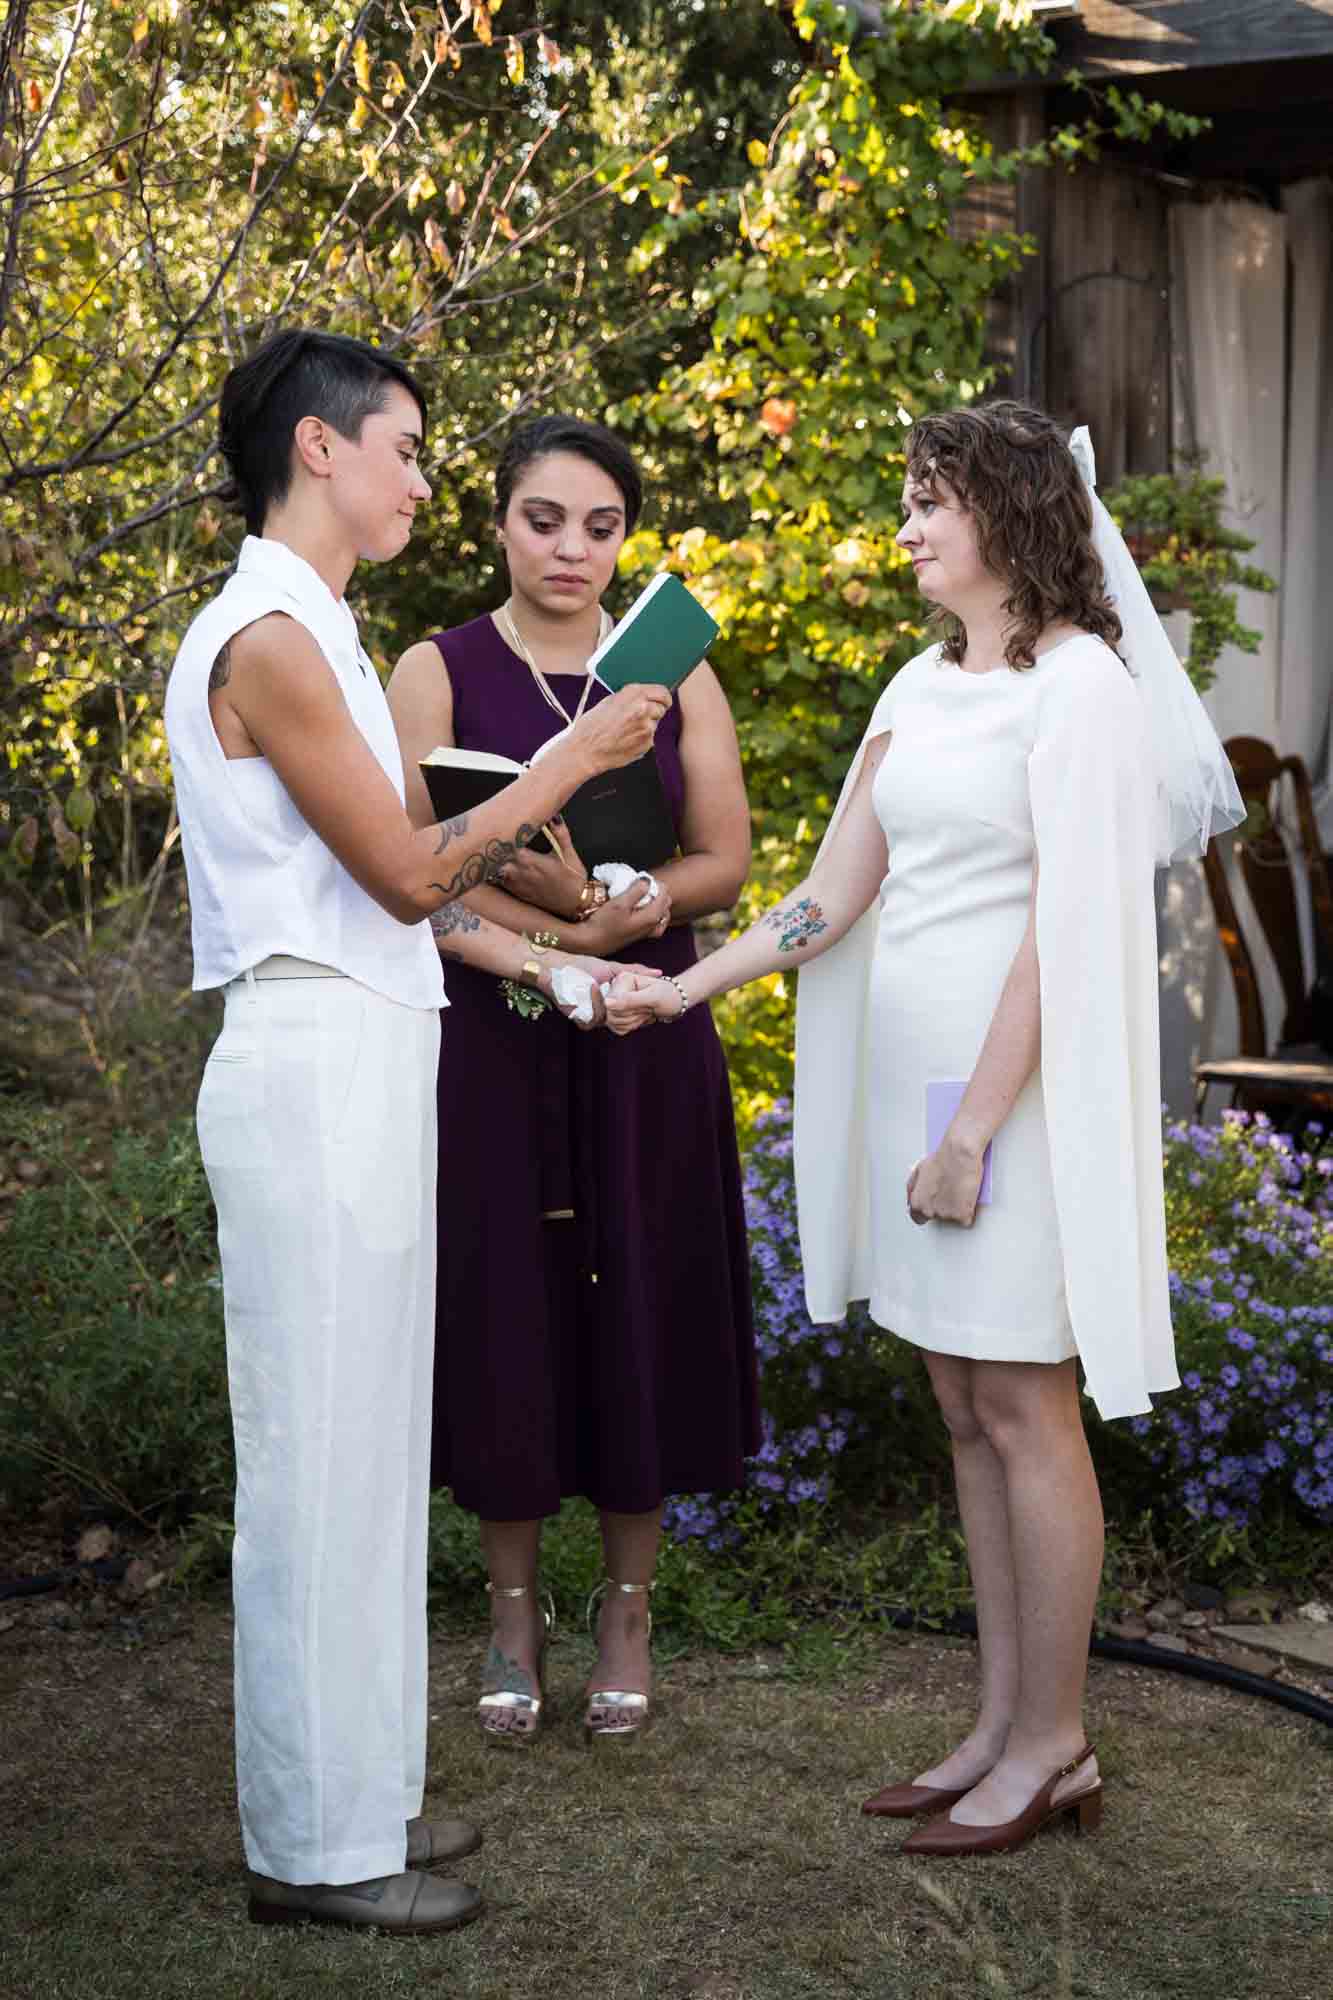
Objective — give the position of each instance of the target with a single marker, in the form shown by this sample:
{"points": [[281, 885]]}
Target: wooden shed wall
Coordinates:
{"points": [[1100, 351], [1085, 331]]}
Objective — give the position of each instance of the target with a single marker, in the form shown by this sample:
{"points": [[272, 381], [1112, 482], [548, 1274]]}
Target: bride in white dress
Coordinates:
{"points": [[981, 914]]}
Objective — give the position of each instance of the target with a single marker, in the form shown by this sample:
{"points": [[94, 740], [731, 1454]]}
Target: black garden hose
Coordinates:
{"points": [[1137, 1653], [107, 1569], [960, 1625]]}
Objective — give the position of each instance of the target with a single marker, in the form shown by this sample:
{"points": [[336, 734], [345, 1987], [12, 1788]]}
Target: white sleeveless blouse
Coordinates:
{"points": [[260, 878]]}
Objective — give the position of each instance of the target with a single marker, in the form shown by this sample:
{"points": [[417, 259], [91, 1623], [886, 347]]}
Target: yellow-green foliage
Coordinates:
{"points": [[850, 302], [176, 182], [528, 223]]}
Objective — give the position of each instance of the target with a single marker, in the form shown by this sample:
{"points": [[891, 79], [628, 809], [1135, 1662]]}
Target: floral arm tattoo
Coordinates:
{"points": [[796, 923]]}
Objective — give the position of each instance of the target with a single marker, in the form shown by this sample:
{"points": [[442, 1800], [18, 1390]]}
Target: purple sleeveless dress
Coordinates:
{"points": [[594, 1331]]}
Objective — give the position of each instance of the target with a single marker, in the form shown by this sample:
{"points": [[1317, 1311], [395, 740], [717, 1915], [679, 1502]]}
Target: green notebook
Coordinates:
{"points": [[661, 638]]}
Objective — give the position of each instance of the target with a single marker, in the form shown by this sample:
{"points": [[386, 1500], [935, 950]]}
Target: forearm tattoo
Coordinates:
{"points": [[453, 917], [796, 923], [485, 865]]}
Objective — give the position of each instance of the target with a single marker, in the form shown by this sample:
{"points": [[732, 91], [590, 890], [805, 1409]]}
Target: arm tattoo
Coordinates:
{"points": [[452, 917], [796, 924], [486, 865], [220, 671], [452, 829]]}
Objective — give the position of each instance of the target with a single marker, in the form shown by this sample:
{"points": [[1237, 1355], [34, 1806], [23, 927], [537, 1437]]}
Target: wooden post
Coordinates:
{"points": [[1032, 219]]}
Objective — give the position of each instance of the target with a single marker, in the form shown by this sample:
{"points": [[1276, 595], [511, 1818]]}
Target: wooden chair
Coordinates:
{"points": [[1297, 1077]]}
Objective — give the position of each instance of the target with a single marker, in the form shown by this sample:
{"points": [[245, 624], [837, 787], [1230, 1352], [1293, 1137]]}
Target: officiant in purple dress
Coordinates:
{"points": [[594, 1332]]}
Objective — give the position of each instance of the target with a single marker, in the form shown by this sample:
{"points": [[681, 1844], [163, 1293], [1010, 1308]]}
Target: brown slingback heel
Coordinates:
{"points": [[943, 1836], [908, 1801]]}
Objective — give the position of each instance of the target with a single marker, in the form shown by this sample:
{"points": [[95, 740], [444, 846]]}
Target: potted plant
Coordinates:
{"points": [[1190, 560]]}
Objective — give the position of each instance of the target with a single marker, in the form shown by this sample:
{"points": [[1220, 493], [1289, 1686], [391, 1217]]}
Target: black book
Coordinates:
{"points": [[619, 816]]}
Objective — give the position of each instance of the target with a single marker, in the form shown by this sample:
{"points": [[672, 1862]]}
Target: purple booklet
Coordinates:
{"points": [[942, 1100]]}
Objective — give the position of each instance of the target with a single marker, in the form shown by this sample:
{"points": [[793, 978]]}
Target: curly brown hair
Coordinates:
{"points": [[1010, 466]]}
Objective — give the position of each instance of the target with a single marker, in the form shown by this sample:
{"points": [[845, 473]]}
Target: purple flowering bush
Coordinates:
{"points": [[837, 1400], [1250, 1233], [848, 1414]]}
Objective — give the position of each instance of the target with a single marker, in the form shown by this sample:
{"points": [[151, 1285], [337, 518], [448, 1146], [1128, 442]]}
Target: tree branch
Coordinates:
{"points": [[171, 503], [58, 86], [340, 213], [81, 457]]}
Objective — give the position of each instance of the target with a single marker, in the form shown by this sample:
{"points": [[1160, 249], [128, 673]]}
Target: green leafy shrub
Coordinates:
{"points": [[1190, 559], [112, 1377], [113, 1395]]}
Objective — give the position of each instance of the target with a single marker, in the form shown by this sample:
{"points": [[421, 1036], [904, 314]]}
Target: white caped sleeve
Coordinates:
{"points": [[828, 1120], [1089, 779]]}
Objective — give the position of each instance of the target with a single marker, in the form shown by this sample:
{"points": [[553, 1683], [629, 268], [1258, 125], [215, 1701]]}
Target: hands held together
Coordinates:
{"points": [[591, 1008], [623, 997], [639, 997], [643, 910]]}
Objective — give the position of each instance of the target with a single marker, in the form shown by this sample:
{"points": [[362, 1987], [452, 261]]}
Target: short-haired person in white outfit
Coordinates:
{"points": [[981, 915], [311, 894]]}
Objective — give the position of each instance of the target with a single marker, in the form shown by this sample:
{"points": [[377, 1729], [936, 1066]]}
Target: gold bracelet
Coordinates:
{"points": [[543, 940], [591, 897]]}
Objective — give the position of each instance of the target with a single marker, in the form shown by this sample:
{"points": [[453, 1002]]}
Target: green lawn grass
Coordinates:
{"points": [[724, 1858]]}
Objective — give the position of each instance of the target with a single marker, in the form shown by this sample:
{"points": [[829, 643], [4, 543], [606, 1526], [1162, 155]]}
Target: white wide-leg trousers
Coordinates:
{"points": [[317, 1127]]}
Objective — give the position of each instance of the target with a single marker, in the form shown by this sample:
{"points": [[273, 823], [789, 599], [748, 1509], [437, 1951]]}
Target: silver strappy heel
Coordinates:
{"points": [[617, 1712], [514, 1714]]}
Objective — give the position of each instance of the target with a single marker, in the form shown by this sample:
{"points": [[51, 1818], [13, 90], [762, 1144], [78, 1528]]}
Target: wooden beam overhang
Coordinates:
{"points": [[1116, 38]]}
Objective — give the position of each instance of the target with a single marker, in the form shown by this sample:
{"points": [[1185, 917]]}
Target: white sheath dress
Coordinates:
{"points": [[983, 774], [951, 795]]}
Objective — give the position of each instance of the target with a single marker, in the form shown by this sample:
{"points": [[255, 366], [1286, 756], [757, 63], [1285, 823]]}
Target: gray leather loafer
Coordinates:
{"points": [[433, 1842], [406, 1905]]}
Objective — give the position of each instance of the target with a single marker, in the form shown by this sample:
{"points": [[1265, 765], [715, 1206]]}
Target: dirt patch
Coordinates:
{"points": [[722, 1859]]}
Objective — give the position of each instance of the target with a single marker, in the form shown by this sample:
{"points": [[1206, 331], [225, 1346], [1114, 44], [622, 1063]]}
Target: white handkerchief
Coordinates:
{"points": [[573, 989], [619, 876]]}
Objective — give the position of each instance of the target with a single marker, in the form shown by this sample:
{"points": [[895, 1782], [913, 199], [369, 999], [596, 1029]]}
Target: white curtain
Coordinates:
{"points": [[1305, 681], [1229, 328], [1229, 307]]}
